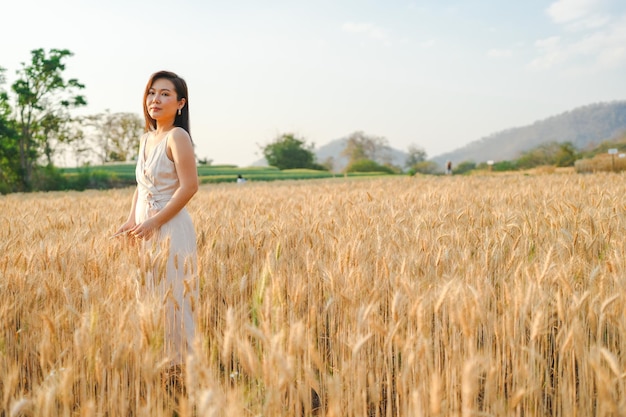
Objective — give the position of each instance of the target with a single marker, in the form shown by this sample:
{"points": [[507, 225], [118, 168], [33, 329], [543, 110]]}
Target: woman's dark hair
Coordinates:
{"points": [[180, 86]]}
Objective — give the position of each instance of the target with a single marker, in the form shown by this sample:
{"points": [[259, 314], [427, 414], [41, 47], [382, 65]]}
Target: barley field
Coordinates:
{"points": [[494, 295]]}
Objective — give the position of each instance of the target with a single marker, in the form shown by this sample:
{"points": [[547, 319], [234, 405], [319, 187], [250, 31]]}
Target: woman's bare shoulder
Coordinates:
{"points": [[178, 134], [179, 143]]}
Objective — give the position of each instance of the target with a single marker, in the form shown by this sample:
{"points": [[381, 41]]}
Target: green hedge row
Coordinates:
{"points": [[123, 175]]}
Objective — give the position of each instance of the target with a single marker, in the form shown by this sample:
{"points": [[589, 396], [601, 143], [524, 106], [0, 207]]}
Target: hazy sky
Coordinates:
{"points": [[436, 74]]}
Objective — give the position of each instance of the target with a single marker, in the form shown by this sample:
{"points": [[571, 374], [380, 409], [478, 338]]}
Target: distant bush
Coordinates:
{"points": [[501, 166], [424, 167], [48, 178], [95, 179], [464, 167], [367, 165]]}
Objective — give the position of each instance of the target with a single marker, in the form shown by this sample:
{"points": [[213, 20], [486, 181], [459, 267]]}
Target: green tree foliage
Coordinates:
{"points": [[44, 99], [502, 166], [367, 165], [289, 152], [551, 154], [115, 135], [8, 142], [464, 167], [566, 155], [548, 154]]}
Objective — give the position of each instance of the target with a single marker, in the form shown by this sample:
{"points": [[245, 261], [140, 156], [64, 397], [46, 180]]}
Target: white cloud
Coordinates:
{"points": [[590, 22], [547, 60], [598, 50], [564, 11], [579, 14], [608, 47], [592, 39]]}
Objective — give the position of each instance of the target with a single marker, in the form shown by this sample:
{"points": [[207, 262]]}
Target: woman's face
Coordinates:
{"points": [[162, 101]]}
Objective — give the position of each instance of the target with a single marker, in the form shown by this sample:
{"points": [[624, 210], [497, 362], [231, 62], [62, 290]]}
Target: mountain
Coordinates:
{"points": [[584, 127]]}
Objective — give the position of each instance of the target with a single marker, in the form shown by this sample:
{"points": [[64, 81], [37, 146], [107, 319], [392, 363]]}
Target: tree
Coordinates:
{"points": [[44, 98], [287, 152], [8, 142], [566, 155], [415, 155], [544, 154], [76, 144], [424, 167], [361, 146], [115, 135]]}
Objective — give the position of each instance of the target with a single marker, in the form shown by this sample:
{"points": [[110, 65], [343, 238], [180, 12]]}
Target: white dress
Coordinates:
{"points": [[170, 255]]}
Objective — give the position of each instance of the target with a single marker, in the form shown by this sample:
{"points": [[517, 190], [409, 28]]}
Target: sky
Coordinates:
{"points": [[431, 74]]}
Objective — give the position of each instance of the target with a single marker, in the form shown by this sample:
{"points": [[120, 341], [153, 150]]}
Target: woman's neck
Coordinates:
{"points": [[162, 128]]}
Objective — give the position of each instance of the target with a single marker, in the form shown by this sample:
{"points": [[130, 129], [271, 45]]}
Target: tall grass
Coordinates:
{"points": [[447, 296]]}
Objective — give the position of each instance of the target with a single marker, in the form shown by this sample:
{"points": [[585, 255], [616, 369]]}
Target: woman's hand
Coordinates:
{"points": [[125, 228], [145, 230]]}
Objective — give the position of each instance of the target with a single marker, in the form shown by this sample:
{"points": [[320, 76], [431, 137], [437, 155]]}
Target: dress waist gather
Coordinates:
{"points": [[155, 200]]}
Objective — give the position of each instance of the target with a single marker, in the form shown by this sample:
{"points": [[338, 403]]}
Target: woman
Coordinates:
{"points": [[166, 180]]}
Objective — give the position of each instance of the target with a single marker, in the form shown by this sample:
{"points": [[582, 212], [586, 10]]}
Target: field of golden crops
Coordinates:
{"points": [[497, 295]]}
